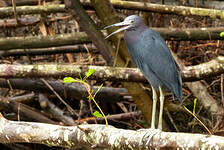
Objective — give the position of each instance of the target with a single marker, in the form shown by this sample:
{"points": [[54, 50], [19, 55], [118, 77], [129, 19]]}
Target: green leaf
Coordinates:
{"points": [[69, 80], [97, 114], [221, 34], [90, 72]]}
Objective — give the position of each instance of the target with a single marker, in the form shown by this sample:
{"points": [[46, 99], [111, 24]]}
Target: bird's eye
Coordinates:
{"points": [[132, 21]]}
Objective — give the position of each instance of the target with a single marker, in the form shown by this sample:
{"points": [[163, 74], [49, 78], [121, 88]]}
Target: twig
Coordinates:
{"points": [[222, 89], [199, 121], [14, 10], [171, 120], [70, 109], [56, 111]]}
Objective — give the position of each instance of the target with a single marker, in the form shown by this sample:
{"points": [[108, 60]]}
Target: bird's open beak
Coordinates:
{"points": [[125, 25]]}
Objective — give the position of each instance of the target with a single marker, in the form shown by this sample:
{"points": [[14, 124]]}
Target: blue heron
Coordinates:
{"points": [[151, 55]]}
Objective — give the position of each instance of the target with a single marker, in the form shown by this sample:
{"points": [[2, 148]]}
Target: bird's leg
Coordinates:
{"points": [[154, 98], [161, 108], [152, 131]]}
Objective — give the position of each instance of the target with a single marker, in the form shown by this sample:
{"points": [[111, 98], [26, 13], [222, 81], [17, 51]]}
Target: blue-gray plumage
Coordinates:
{"points": [[152, 56]]}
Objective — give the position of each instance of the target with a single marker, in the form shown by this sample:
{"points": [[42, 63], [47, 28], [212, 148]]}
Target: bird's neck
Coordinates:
{"points": [[132, 35]]}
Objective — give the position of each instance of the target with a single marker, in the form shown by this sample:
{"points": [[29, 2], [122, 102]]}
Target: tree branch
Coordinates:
{"points": [[102, 136], [87, 24], [27, 21], [141, 6], [24, 110], [212, 68], [43, 41], [168, 9], [25, 10], [69, 91], [81, 38], [191, 34], [50, 50]]}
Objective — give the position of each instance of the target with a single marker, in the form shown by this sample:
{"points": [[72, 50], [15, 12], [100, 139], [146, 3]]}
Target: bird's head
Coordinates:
{"points": [[130, 22]]}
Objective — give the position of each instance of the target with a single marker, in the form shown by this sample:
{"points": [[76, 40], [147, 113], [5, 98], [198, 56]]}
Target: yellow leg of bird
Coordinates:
{"points": [[154, 97], [161, 108]]}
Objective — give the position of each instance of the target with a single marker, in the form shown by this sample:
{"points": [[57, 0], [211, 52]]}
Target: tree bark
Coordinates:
{"points": [[190, 34], [141, 6], [198, 89], [87, 24], [212, 68], [55, 111], [74, 91], [26, 2], [28, 21], [25, 10], [70, 91], [24, 110], [102, 137], [205, 70], [50, 50], [168, 9], [217, 4], [43, 41], [9, 43]]}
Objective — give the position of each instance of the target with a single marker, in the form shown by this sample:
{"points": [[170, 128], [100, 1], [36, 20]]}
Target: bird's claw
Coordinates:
{"points": [[149, 135]]}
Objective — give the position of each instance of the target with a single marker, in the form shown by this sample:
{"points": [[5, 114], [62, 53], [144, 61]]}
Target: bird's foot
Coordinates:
{"points": [[149, 133]]}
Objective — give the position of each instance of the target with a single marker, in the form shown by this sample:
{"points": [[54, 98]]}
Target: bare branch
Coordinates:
{"points": [[43, 41], [24, 10], [212, 68], [142, 6], [69, 91], [76, 9], [191, 34], [168, 9], [102, 136], [81, 37], [50, 50], [24, 110], [56, 112], [28, 21]]}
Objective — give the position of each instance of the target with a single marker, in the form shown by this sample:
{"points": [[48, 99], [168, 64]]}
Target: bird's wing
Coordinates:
{"points": [[155, 57]]}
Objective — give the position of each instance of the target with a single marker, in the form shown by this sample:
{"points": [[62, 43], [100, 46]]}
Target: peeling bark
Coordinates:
{"points": [[102, 137], [212, 68], [205, 70]]}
